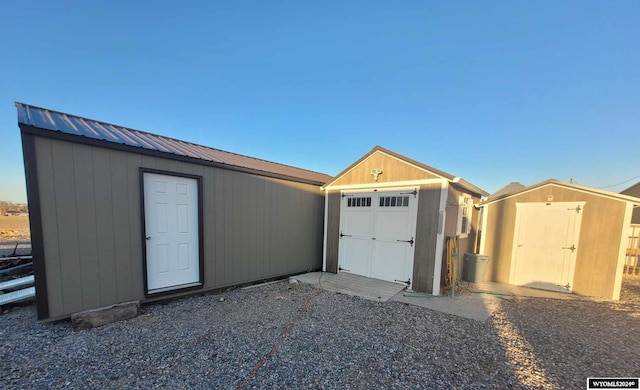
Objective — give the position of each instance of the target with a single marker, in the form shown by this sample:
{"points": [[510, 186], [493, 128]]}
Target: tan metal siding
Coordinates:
{"points": [[254, 227], [598, 247], [333, 231], [426, 237]]}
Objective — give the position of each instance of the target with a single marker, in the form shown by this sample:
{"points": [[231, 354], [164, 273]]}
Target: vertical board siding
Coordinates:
{"points": [[87, 223], [72, 293], [393, 170], [101, 181], [254, 227], [426, 238], [49, 223], [122, 235], [333, 231]]}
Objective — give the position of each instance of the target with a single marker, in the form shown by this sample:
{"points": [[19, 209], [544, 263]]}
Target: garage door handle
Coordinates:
{"points": [[345, 235], [409, 241]]}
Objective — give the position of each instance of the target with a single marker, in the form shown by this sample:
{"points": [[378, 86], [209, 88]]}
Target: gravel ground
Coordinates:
{"points": [[215, 341]]}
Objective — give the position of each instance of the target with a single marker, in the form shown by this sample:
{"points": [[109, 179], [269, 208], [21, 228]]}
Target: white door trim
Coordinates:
{"points": [[187, 264], [442, 217], [326, 223]]}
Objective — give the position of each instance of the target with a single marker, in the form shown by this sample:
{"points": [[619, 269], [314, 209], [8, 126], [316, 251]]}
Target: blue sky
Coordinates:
{"points": [[492, 91]]}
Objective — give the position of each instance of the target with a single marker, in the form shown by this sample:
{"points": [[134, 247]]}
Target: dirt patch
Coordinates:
{"points": [[14, 228]]}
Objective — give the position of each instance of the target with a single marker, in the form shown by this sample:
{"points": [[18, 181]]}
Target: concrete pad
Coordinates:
{"points": [[518, 291], [474, 306], [354, 285]]}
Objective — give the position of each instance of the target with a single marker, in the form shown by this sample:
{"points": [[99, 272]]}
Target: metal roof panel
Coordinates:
{"points": [[70, 124]]}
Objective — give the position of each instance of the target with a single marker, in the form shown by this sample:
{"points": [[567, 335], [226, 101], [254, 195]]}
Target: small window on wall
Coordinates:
{"points": [[465, 209], [364, 201], [394, 201]]}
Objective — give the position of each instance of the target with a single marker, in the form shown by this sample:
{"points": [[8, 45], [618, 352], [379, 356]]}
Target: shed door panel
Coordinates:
{"points": [[377, 230], [171, 228], [544, 237], [392, 254], [355, 243]]}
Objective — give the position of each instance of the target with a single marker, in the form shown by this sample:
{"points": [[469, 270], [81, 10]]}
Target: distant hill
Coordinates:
{"points": [[7, 207]]}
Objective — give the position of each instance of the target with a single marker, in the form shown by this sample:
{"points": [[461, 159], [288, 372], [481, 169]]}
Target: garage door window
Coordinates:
{"points": [[394, 201], [364, 201]]}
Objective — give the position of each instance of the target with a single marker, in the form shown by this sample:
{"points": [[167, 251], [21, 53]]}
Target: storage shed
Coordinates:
{"points": [[558, 236], [388, 216], [119, 215]]}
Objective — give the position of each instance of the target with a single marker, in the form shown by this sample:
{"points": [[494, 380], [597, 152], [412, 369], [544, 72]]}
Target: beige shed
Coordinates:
{"points": [[558, 236]]}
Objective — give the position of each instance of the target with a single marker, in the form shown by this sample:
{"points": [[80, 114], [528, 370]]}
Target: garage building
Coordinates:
{"points": [[388, 217]]}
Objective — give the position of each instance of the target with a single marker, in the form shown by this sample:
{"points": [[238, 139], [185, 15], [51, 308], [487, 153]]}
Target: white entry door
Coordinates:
{"points": [[377, 233], [546, 244], [172, 232]]}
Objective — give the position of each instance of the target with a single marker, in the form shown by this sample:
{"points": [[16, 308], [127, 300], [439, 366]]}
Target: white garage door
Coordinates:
{"points": [[545, 245], [377, 233]]}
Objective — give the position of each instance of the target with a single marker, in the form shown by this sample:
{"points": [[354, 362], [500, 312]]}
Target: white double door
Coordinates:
{"points": [[171, 231], [377, 234]]}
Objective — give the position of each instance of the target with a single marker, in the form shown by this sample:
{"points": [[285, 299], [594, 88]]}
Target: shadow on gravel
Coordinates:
{"points": [[555, 343]]}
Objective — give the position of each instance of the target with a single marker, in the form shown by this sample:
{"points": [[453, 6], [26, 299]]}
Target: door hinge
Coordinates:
{"points": [[344, 235], [409, 241], [407, 282], [414, 192], [572, 247], [343, 269], [577, 209]]}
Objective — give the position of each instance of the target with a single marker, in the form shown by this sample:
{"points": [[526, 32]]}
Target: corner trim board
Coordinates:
{"points": [[442, 211], [326, 228], [35, 224]]}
